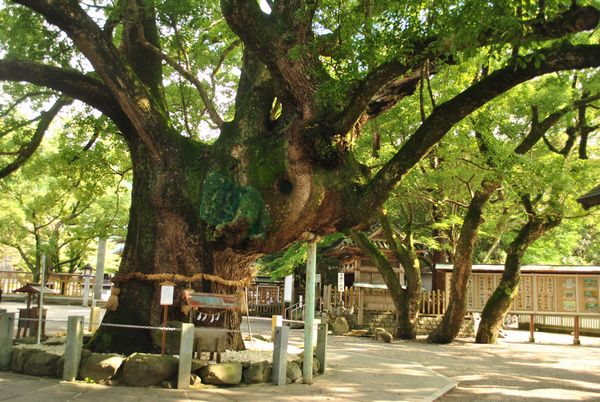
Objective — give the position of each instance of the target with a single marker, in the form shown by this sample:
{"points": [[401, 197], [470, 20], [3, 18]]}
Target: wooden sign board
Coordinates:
{"points": [[212, 300], [340, 282], [564, 294], [167, 291], [287, 289]]}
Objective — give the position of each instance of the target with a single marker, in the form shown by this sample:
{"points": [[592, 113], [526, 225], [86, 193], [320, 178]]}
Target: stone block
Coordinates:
{"points": [[257, 373], [41, 364], [340, 326], [100, 367], [19, 358], [222, 373], [293, 371], [144, 370]]}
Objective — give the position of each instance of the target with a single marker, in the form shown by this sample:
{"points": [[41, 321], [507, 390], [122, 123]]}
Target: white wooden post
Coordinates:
{"points": [[309, 309], [41, 309], [100, 268]]}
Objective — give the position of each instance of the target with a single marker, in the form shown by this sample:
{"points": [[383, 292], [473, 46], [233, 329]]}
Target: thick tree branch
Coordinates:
{"points": [[283, 42], [69, 82], [390, 82], [143, 110], [27, 151], [442, 119]]}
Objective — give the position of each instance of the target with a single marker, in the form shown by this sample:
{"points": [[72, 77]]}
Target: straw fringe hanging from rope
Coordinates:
{"points": [[113, 300]]}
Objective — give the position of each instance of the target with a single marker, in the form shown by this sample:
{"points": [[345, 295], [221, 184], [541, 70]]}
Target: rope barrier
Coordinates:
{"points": [[43, 319], [140, 276], [213, 329], [197, 329], [139, 327]]}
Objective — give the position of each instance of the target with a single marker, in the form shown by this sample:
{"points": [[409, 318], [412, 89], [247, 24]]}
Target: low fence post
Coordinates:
{"points": [[94, 317], [576, 340], [322, 347], [276, 321], [7, 326], [531, 329], [186, 351], [280, 343], [73, 347]]}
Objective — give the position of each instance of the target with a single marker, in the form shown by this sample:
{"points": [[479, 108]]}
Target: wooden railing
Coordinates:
{"points": [[333, 298], [264, 310], [66, 284], [433, 303]]}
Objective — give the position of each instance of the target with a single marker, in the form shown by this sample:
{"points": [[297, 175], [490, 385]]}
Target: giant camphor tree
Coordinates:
{"points": [[308, 76]]}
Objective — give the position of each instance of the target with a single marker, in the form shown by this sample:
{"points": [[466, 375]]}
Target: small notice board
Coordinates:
{"points": [[167, 291]]}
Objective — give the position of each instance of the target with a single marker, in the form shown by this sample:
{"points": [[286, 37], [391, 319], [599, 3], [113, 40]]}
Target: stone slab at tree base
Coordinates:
{"points": [[222, 374], [99, 367], [41, 364], [145, 370]]}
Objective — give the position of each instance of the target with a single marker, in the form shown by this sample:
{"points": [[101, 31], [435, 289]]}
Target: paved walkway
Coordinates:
{"points": [[354, 376]]}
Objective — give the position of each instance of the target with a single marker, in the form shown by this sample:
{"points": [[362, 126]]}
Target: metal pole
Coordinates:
{"points": [[41, 309], [309, 309]]}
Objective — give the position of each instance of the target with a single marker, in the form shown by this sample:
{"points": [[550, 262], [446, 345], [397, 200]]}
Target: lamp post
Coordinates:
{"points": [[87, 273]]}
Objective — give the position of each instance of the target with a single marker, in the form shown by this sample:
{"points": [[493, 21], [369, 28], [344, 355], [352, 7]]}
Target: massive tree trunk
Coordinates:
{"points": [[500, 301]]}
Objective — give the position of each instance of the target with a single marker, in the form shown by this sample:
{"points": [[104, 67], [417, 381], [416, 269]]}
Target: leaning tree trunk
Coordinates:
{"points": [[499, 303], [450, 325], [406, 301], [408, 310]]}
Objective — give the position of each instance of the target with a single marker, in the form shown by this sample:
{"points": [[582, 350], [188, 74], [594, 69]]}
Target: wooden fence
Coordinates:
{"points": [[66, 284], [333, 298], [432, 303], [264, 310]]}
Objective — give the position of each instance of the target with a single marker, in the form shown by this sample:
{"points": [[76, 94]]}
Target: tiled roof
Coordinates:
{"points": [[590, 199]]}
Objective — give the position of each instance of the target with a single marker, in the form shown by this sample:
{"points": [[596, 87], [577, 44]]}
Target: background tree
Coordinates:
{"points": [[70, 192]]}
